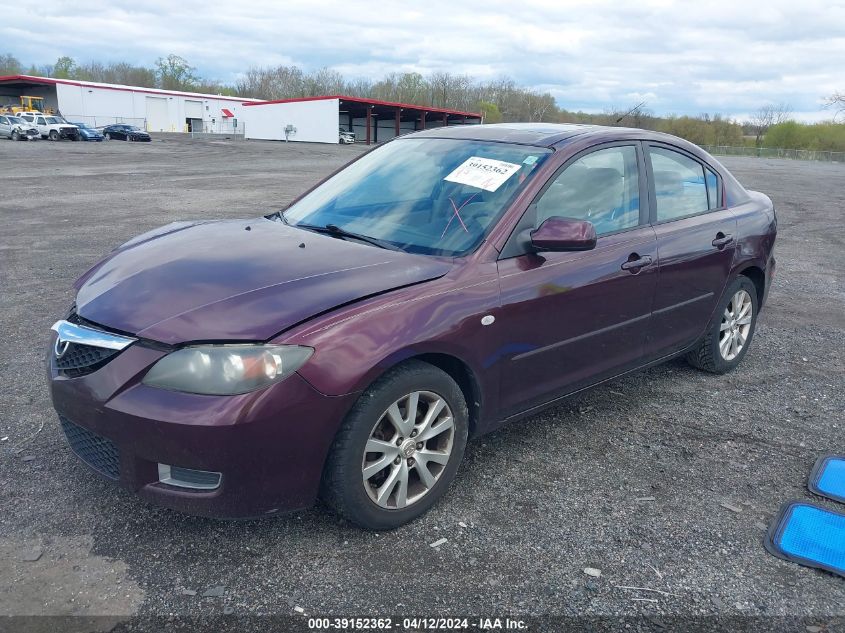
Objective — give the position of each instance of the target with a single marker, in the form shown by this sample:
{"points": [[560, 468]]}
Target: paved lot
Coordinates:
{"points": [[541, 499]]}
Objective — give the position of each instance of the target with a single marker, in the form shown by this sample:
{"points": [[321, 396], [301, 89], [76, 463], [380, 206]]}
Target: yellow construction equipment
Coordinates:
{"points": [[29, 104]]}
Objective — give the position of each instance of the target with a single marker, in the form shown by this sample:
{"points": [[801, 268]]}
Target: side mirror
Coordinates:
{"points": [[564, 234]]}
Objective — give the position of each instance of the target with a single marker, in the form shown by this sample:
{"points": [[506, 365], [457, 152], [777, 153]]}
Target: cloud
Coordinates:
{"points": [[680, 57]]}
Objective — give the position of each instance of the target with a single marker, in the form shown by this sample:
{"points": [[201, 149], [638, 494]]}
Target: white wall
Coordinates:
{"points": [[99, 106], [315, 121]]}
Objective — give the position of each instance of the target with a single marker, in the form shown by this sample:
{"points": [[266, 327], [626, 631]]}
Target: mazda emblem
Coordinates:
{"points": [[60, 349]]}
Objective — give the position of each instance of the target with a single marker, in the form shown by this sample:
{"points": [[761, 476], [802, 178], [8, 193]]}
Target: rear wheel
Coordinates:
{"points": [[730, 331], [398, 449]]}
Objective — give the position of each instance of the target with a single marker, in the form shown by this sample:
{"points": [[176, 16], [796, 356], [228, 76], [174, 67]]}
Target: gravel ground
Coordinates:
{"points": [[634, 478]]}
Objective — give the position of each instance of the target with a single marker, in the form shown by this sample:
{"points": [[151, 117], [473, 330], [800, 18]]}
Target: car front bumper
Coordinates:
{"points": [[269, 445]]}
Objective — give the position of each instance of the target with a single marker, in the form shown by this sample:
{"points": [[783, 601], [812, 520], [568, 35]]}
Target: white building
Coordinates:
{"points": [[99, 104], [319, 119], [310, 119]]}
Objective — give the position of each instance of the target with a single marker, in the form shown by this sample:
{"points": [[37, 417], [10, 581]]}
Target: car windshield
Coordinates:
{"points": [[430, 196], [14, 119]]}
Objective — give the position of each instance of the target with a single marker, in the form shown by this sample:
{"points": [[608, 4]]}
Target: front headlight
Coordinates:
{"points": [[225, 370]]}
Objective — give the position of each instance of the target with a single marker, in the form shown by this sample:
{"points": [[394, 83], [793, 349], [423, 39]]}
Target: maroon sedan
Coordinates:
{"points": [[439, 286]]}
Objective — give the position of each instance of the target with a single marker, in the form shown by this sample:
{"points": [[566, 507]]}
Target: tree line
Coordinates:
{"points": [[498, 100]]}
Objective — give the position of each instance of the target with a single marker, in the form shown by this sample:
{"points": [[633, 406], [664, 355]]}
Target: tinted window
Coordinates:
{"points": [[601, 187], [3, 120], [41, 121], [678, 183]]}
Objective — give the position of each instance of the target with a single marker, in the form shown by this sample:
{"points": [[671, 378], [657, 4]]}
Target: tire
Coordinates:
{"points": [[16, 135], [345, 487], [54, 136], [712, 354], [107, 136]]}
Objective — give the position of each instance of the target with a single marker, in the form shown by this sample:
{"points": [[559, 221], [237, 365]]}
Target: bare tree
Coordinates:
{"points": [[837, 102], [768, 115]]}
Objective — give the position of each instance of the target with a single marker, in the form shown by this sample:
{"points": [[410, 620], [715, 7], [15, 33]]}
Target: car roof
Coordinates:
{"points": [[541, 134]]}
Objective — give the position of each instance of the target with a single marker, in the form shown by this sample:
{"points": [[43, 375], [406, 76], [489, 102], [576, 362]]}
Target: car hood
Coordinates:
{"points": [[237, 280]]}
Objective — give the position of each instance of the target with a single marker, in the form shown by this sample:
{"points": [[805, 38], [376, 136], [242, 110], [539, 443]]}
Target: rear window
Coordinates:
{"points": [[679, 186]]}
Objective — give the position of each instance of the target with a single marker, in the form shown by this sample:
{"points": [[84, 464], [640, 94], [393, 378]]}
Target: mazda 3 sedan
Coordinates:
{"points": [[439, 286]]}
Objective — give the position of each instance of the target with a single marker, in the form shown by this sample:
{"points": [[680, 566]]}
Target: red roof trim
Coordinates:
{"points": [[226, 112], [407, 106], [152, 91]]}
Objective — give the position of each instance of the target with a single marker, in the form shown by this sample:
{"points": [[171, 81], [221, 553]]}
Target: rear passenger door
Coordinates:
{"points": [[5, 128], [696, 240]]}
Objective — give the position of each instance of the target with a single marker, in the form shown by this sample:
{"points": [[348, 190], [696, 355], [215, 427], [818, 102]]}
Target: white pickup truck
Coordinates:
{"points": [[51, 126]]}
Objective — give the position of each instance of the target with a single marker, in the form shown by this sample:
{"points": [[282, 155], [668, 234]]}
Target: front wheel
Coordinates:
{"points": [[398, 449], [730, 331], [54, 136], [16, 135], [107, 136]]}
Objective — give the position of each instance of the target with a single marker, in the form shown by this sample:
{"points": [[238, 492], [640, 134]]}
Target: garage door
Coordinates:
{"points": [[193, 109], [157, 119]]}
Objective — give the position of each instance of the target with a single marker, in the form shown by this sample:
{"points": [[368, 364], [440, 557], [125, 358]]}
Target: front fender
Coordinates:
{"points": [[357, 344]]}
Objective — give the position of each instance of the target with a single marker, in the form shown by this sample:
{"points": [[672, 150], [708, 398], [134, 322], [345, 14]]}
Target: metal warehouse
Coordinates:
{"points": [[98, 104], [319, 119]]}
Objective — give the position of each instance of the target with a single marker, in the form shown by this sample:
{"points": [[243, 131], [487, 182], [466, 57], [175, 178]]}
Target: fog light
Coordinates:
{"points": [[188, 477]]}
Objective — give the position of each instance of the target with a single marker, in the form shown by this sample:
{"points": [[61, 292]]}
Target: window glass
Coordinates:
{"points": [[423, 195], [678, 184], [3, 120], [601, 187], [41, 121], [712, 188]]}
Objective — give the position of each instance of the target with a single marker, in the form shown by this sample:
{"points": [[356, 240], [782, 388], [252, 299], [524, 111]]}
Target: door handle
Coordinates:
{"points": [[635, 264], [722, 240]]}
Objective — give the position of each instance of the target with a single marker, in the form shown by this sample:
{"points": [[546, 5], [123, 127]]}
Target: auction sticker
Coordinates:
{"points": [[484, 173]]}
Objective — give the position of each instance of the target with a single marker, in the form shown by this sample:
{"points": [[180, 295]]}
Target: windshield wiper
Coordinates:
{"points": [[334, 229]]}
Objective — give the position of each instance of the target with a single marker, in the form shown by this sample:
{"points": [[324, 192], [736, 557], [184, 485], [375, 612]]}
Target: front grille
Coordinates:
{"points": [[80, 360], [98, 452]]}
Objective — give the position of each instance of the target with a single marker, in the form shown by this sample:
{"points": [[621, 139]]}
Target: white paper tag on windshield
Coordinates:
{"points": [[484, 173]]}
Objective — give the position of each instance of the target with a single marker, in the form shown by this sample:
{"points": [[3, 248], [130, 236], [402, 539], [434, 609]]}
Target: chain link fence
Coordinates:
{"points": [[773, 152], [230, 128], [102, 121]]}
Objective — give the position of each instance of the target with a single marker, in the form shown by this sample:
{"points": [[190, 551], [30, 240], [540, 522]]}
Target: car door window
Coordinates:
{"points": [[679, 185], [712, 188], [601, 187], [41, 121]]}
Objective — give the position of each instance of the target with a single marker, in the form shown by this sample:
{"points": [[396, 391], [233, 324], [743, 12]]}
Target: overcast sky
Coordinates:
{"points": [[679, 57]]}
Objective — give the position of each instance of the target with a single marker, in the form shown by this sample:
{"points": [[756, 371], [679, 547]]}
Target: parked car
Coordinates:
{"points": [[87, 133], [346, 136], [51, 126], [123, 132], [17, 129], [446, 283]]}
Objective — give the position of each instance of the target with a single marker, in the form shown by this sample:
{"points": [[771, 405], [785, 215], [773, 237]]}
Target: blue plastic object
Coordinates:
{"points": [[809, 535], [828, 477]]}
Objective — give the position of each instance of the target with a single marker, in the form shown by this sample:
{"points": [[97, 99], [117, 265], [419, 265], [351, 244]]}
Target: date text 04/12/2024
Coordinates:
{"points": [[417, 624]]}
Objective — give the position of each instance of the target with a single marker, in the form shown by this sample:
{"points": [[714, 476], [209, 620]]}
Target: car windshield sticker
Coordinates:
{"points": [[529, 160], [484, 173]]}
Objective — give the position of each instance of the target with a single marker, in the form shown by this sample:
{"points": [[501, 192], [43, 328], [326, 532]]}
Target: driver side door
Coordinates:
{"points": [[575, 318]]}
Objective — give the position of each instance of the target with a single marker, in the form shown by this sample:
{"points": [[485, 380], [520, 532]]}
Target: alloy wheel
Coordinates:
{"points": [[736, 325], [408, 450]]}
